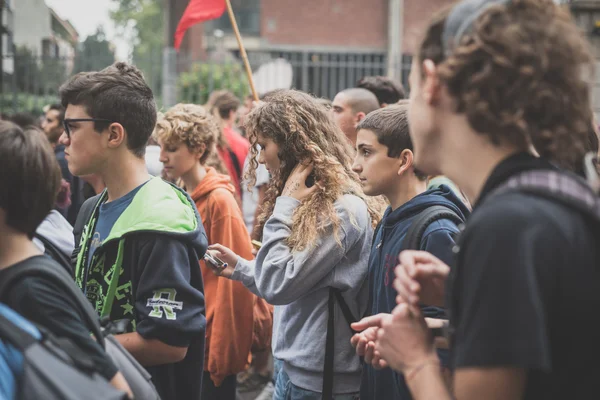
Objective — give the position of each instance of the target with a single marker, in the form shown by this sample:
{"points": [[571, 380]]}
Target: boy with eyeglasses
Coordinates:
{"points": [[137, 257]]}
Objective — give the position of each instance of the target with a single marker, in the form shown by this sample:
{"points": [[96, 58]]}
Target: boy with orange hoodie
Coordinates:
{"points": [[186, 135]]}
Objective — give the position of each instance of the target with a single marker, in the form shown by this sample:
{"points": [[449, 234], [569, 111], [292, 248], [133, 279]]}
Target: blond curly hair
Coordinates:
{"points": [[192, 125], [305, 132]]}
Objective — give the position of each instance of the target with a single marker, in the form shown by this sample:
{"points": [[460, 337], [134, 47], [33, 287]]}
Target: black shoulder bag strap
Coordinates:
{"points": [[236, 163], [84, 216], [18, 337], [414, 235], [47, 268], [330, 339]]}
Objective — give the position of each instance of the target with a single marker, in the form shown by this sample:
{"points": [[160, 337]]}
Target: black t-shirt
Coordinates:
{"points": [[526, 290], [43, 302]]}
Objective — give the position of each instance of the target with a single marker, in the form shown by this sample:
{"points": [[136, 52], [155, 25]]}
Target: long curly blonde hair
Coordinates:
{"points": [[194, 126], [304, 132]]}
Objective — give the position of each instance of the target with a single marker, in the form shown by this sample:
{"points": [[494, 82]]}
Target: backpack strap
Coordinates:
{"points": [[236, 163], [414, 235], [23, 340], [344, 306], [47, 268], [18, 337], [336, 294], [330, 339], [560, 186], [85, 213]]}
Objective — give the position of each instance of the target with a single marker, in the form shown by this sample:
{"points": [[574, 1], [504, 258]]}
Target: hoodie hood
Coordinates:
{"points": [[213, 180], [442, 196], [57, 230], [159, 207], [153, 163]]}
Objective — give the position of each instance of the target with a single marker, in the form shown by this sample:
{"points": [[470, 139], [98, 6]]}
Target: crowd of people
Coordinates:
{"points": [[369, 247]]}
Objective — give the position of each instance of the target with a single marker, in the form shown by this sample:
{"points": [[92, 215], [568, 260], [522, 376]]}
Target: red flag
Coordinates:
{"points": [[198, 11]]}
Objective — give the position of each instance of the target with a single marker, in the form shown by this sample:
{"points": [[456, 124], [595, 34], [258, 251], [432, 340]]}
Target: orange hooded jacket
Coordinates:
{"points": [[229, 305]]}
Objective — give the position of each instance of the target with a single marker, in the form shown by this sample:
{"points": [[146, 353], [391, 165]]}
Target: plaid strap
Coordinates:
{"points": [[563, 187]]}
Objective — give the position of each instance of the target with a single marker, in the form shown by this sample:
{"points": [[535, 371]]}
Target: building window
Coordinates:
{"points": [[247, 15], [49, 49]]}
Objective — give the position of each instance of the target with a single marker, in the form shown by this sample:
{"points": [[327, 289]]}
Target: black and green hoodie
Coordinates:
{"points": [[147, 270]]}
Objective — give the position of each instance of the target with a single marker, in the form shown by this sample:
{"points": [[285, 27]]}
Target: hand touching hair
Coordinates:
{"points": [[305, 133]]}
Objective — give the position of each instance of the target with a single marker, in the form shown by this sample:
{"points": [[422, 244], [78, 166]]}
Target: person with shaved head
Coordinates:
{"points": [[349, 107]]}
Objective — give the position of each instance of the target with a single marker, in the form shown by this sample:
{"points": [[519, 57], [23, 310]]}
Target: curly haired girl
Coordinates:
{"points": [[316, 228]]}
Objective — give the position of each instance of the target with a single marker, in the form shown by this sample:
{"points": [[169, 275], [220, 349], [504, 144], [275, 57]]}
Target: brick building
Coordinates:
{"points": [[329, 43], [332, 43]]}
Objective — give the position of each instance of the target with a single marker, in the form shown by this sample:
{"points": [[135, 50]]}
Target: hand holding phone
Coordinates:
{"points": [[215, 261], [221, 260]]}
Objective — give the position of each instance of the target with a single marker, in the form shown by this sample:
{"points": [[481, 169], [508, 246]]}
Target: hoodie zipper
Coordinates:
{"points": [[97, 253], [379, 247]]}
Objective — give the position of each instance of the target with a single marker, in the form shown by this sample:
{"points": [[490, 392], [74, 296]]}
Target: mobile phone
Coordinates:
{"points": [[257, 245], [216, 261], [310, 181]]}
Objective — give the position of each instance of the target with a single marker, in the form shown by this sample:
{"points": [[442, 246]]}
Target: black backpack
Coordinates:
{"points": [[139, 380], [54, 368], [412, 241]]}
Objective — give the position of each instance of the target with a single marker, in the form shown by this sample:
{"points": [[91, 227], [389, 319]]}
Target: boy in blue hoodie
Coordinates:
{"points": [[384, 163]]}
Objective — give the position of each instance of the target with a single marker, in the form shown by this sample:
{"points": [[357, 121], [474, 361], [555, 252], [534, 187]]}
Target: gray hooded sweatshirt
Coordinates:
{"points": [[57, 230], [298, 283]]}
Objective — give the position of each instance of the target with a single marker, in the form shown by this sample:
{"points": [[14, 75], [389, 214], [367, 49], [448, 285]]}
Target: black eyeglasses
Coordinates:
{"points": [[66, 123]]}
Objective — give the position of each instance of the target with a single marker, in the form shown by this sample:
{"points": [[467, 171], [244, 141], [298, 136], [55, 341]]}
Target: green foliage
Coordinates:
{"points": [[142, 22], [26, 102], [38, 75], [94, 53], [196, 85]]}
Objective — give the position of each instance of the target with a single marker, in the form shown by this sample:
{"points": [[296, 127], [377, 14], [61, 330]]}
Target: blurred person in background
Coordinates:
{"points": [[243, 112], [387, 90], [349, 107], [23, 119], [52, 124], [232, 147], [325, 103]]}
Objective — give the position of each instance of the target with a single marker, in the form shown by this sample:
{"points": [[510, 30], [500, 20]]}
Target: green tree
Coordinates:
{"points": [[141, 21], [94, 53], [196, 85]]}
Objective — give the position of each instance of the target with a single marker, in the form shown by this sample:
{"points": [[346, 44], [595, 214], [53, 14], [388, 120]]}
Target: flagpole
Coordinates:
{"points": [[242, 49]]}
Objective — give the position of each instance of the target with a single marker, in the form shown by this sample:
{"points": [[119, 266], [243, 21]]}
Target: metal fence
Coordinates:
{"points": [[30, 82]]}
